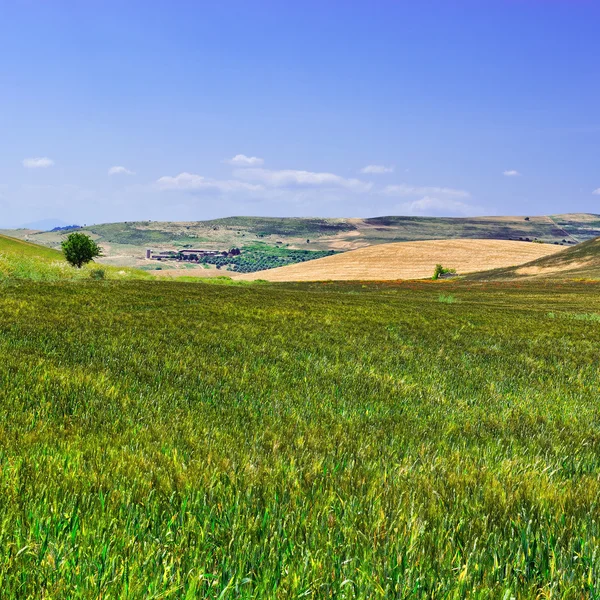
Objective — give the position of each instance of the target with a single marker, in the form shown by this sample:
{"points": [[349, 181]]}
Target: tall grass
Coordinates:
{"points": [[168, 440], [447, 299]]}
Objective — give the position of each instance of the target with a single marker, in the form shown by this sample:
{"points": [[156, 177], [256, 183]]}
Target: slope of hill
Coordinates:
{"points": [[578, 262], [20, 259], [14, 247], [125, 243], [410, 260]]}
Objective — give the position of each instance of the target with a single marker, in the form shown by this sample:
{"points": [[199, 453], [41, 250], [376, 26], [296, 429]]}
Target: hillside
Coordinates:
{"points": [[125, 243], [581, 261], [10, 246], [410, 260], [20, 260]]}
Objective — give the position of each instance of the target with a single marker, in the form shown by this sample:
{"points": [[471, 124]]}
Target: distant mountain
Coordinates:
{"points": [[44, 224]]}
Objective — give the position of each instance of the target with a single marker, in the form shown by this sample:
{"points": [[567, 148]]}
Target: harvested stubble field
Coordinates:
{"points": [[410, 260], [172, 440], [577, 262]]}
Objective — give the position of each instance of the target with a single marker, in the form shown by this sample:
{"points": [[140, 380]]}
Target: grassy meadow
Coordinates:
{"points": [[182, 440]]}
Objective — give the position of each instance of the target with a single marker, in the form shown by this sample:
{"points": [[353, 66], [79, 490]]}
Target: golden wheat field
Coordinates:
{"points": [[410, 260]]}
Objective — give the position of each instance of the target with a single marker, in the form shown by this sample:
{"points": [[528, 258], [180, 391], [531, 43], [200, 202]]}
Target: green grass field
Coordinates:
{"points": [[180, 440]]}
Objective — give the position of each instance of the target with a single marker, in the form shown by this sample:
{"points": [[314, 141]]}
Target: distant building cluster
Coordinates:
{"points": [[190, 254]]}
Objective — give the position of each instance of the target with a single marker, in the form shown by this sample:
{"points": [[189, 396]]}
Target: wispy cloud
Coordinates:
{"points": [[377, 169], [193, 182], [241, 160], [511, 173], [596, 192], [411, 190], [41, 162], [428, 206], [120, 171], [292, 178]]}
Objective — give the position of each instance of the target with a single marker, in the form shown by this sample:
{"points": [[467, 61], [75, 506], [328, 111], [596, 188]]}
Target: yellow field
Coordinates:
{"points": [[575, 262], [410, 260]]}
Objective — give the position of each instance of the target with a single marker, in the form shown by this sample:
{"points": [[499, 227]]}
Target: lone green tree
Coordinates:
{"points": [[79, 249]]}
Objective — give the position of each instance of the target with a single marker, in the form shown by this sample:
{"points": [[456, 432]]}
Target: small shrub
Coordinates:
{"points": [[97, 274], [447, 299], [440, 270]]}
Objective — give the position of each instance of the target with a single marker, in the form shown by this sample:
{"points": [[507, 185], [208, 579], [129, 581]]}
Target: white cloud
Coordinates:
{"points": [[291, 178], [120, 171], [511, 173], [193, 182], [596, 192], [377, 169], [241, 160], [41, 162], [411, 190], [428, 206]]}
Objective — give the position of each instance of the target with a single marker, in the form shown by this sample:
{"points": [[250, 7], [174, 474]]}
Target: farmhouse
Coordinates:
{"points": [[195, 254], [189, 254], [166, 255]]}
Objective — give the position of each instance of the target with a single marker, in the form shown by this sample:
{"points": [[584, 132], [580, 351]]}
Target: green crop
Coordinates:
{"points": [[180, 440], [260, 257]]}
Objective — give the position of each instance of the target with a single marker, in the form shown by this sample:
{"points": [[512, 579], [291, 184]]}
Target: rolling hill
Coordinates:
{"points": [[410, 260], [578, 262], [125, 243]]}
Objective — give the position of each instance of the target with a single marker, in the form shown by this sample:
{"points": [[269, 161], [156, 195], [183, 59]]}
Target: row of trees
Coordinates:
{"points": [[250, 261]]}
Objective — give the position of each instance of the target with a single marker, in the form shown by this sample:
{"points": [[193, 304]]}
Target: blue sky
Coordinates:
{"points": [[116, 111]]}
